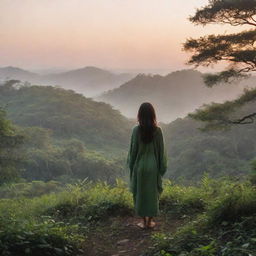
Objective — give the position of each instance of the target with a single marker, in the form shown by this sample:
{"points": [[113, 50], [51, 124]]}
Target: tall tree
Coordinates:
{"points": [[236, 49]]}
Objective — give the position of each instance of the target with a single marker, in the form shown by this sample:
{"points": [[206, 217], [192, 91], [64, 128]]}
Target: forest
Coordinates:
{"points": [[68, 170], [64, 177], [83, 138]]}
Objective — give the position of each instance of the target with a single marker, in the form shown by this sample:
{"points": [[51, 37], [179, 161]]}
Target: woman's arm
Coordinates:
{"points": [[132, 153], [162, 154]]}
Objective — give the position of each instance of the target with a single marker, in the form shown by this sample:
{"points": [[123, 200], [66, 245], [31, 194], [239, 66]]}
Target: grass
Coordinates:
{"points": [[224, 223], [57, 223], [222, 216]]}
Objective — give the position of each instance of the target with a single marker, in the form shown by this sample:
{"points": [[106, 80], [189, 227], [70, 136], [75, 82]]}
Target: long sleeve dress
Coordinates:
{"points": [[147, 164]]}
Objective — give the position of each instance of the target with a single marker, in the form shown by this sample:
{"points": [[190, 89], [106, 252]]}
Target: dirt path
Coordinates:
{"points": [[120, 236]]}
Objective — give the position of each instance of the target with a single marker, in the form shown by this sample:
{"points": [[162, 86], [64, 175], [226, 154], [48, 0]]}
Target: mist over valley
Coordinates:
{"points": [[174, 95]]}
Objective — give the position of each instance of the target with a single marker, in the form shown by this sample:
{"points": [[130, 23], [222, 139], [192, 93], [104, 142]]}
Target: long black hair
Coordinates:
{"points": [[147, 121]]}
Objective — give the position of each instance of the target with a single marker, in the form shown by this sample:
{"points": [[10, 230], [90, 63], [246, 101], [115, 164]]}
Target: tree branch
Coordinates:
{"points": [[243, 119]]}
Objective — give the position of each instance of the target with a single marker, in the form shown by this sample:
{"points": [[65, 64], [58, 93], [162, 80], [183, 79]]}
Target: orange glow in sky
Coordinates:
{"points": [[103, 33]]}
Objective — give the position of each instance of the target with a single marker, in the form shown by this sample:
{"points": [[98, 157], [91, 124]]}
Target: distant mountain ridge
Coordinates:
{"points": [[88, 80], [16, 73], [173, 95]]}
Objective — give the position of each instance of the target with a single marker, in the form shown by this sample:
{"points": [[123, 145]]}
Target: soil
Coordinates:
{"points": [[120, 236]]}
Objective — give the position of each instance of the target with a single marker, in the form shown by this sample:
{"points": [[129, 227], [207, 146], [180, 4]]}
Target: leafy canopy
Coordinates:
{"points": [[217, 115], [237, 49]]}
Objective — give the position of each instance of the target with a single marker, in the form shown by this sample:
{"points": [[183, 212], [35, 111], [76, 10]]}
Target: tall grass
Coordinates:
{"points": [[57, 223], [224, 220]]}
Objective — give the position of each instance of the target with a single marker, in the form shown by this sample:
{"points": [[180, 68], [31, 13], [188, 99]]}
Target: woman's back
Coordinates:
{"points": [[147, 162]]}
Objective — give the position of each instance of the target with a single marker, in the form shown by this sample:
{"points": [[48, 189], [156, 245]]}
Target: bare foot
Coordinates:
{"points": [[151, 224], [141, 225]]}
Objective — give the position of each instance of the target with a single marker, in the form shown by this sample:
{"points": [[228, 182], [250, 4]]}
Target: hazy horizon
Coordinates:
{"points": [[134, 71], [110, 34]]}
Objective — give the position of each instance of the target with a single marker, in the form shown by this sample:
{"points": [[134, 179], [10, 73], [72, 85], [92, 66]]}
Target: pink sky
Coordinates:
{"points": [[104, 33]]}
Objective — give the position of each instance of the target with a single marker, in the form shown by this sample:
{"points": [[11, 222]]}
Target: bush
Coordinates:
{"points": [[182, 200], [31, 238], [29, 189], [55, 224], [98, 202], [225, 226], [238, 202]]}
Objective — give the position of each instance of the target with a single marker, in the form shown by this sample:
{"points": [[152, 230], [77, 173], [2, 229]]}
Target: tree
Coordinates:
{"points": [[237, 50], [10, 158]]}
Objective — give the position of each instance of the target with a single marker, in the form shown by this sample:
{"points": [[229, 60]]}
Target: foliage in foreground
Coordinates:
{"points": [[225, 224], [220, 213], [44, 238], [58, 223]]}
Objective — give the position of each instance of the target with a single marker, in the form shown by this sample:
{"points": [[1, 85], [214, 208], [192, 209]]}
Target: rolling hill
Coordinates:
{"points": [[173, 95], [223, 152], [66, 113], [7, 73], [88, 80], [79, 125]]}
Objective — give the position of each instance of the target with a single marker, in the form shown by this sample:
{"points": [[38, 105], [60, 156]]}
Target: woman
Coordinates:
{"points": [[147, 163]]}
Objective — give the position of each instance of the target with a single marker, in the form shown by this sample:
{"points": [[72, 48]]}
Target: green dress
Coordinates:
{"points": [[147, 164]]}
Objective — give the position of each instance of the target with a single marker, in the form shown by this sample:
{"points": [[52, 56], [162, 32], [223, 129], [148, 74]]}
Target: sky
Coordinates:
{"points": [[111, 34]]}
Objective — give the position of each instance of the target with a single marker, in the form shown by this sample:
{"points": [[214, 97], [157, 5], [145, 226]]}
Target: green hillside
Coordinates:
{"points": [[217, 152], [173, 95], [66, 113], [70, 135], [66, 136]]}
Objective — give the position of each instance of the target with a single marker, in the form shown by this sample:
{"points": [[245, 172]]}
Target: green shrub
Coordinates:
{"points": [[29, 189], [226, 225], [238, 202], [98, 202], [182, 200], [31, 238], [54, 224]]}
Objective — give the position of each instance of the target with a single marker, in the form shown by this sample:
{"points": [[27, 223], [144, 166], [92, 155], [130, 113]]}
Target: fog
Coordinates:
{"points": [[174, 94], [96, 46]]}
